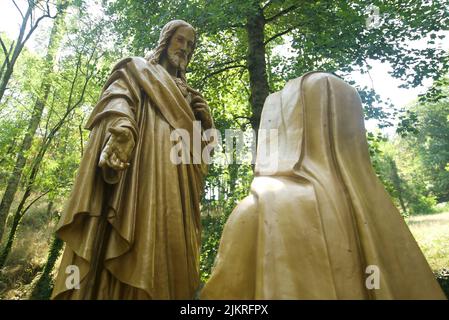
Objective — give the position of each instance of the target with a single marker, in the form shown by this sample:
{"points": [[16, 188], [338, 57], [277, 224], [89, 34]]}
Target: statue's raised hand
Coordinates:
{"points": [[201, 111], [117, 152]]}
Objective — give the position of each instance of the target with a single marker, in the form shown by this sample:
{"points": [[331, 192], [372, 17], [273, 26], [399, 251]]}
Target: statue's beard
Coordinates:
{"points": [[177, 61]]}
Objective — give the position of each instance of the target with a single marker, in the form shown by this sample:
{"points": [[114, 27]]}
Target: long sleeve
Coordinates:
{"points": [[116, 108], [110, 175]]}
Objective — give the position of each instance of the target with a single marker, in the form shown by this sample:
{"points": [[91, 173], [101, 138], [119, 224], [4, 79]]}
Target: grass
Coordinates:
{"points": [[431, 231], [28, 255]]}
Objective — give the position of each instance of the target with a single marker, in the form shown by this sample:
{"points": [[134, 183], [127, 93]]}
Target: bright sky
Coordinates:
{"points": [[10, 21], [385, 85], [388, 87]]}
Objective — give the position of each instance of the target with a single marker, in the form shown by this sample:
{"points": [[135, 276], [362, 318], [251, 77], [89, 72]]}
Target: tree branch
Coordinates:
{"points": [[245, 123], [242, 117], [281, 13], [32, 202], [244, 84], [50, 113], [20, 11], [38, 4], [34, 25], [238, 25], [5, 51], [80, 130], [266, 5], [5, 64], [75, 77], [369, 74], [221, 64], [223, 69], [280, 34]]}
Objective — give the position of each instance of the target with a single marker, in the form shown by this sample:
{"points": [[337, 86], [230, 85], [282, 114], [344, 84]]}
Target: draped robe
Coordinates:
{"points": [[318, 222], [135, 234]]}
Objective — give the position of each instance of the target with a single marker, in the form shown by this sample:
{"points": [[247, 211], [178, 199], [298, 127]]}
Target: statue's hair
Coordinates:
{"points": [[164, 39]]}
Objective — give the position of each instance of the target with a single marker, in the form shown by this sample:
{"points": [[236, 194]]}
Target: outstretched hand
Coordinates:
{"points": [[117, 152]]}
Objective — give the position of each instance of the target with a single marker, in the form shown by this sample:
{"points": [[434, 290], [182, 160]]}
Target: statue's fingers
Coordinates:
{"points": [[193, 91], [110, 159], [117, 165], [114, 160], [201, 110], [197, 99], [110, 164], [124, 165], [200, 106]]}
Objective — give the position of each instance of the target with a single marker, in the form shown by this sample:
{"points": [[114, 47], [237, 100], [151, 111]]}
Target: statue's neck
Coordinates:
{"points": [[173, 71]]}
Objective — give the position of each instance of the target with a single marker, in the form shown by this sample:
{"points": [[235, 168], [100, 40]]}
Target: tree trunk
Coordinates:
{"points": [[397, 183], [256, 64], [49, 210], [35, 166], [6, 75], [233, 176], [14, 179], [12, 233], [9, 152], [20, 211], [44, 286]]}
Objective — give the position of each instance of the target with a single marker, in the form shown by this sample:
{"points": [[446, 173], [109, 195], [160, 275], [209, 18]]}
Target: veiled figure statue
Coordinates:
{"points": [[318, 223], [132, 222]]}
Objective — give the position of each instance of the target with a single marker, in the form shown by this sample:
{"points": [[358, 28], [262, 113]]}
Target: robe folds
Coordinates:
{"points": [[134, 234], [318, 223]]}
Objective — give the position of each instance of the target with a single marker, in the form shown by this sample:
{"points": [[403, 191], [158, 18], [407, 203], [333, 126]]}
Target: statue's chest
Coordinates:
{"points": [[183, 88]]}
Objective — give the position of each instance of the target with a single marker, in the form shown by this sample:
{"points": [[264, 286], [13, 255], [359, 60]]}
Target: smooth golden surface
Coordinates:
{"points": [[314, 222], [147, 247]]}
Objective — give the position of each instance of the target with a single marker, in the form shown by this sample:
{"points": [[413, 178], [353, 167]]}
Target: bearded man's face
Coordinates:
{"points": [[180, 47]]}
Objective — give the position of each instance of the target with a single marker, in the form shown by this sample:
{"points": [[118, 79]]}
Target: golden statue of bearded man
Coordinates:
{"points": [[132, 222]]}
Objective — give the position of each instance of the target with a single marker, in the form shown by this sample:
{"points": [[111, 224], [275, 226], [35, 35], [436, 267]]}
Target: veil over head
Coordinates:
{"points": [[317, 218]]}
